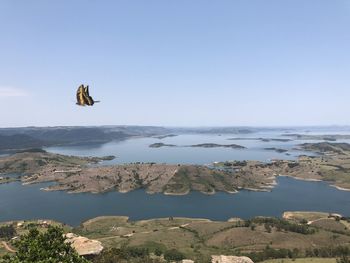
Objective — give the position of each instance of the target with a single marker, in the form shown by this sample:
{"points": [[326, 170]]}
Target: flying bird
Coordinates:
{"points": [[83, 96]]}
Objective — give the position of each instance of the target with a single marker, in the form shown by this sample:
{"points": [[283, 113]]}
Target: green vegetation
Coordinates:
{"points": [[323, 252], [260, 238], [125, 255], [281, 224], [7, 231], [173, 255], [299, 216], [302, 260], [343, 259], [9, 179], [180, 183], [173, 239], [44, 247]]}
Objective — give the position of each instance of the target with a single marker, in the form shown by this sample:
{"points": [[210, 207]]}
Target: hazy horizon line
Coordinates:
{"points": [[184, 126]]}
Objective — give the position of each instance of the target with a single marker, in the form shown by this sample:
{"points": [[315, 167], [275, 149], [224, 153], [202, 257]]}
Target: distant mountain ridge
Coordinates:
{"points": [[34, 137], [19, 141]]}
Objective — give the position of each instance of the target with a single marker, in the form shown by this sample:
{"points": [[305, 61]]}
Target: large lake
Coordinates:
{"points": [[138, 150], [29, 202]]}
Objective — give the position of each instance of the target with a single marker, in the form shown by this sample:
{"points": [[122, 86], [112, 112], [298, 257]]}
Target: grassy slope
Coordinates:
{"points": [[302, 260], [201, 237]]}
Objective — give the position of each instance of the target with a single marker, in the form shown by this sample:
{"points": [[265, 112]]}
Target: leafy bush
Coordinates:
{"points": [[328, 252], [125, 255], [158, 252], [47, 247], [173, 254], [343, 259], [7, 231], [281, 224], [270, 253]]}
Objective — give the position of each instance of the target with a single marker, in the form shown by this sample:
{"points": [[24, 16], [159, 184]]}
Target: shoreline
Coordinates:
{"points": [[286, 215], [74, 174], [340, 188], [317, 180], [179, 193], [302, 179], [266, 188]]}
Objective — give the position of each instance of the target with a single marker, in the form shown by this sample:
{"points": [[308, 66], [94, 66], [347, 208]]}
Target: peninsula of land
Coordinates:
{"points": [[77, 175], [329, 137]]}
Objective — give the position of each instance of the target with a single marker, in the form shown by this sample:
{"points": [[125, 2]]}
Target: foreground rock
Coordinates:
{"points": [[230, 259], [83, 245]]}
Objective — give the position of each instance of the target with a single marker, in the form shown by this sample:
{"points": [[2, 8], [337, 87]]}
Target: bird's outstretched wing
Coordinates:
{"points": [[80, 96]]}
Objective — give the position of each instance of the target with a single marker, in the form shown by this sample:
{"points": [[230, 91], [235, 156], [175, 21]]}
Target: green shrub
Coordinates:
{"points": [[7, 232], [173, 254], [47, 247]]}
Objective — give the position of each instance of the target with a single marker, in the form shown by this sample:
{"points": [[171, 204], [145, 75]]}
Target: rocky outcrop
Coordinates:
{"points": [[83, 245], [230, 259]]}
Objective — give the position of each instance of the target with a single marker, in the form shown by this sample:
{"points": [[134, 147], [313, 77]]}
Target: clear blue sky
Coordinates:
{"points": [[179, 62]]}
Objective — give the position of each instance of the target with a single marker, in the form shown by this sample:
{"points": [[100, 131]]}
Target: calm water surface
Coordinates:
{"points": [[138, 150], [29, 202]]}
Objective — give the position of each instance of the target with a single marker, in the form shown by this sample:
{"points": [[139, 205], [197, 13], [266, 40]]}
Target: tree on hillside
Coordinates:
{"points": [[343, 259], [47, 247], [125, 255], [7, 232]]}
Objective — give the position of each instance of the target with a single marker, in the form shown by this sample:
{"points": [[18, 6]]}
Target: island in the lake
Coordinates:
{"points": [[160, 144], [215, 145], [76, 175], [279, 150], [201, 145], [165, 136], [260, 139]]}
